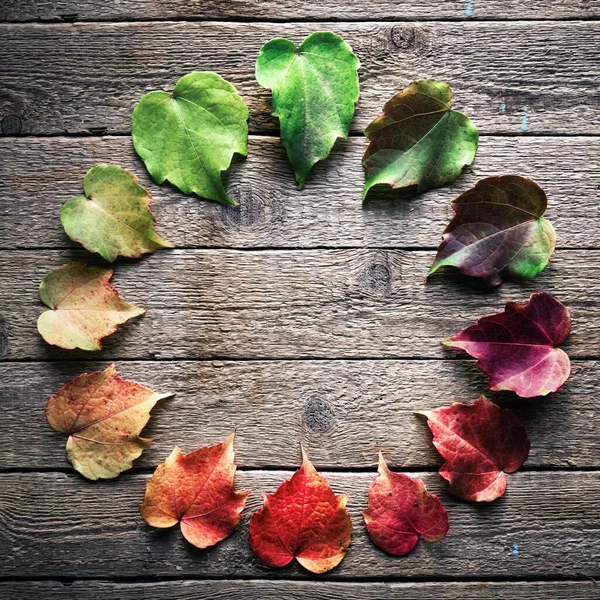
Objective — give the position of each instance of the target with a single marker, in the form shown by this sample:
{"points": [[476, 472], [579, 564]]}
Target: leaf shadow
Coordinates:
{"points": [[395, 202]]}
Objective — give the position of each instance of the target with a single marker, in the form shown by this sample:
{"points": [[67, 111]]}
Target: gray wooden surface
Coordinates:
{"points": [[299, 317]]}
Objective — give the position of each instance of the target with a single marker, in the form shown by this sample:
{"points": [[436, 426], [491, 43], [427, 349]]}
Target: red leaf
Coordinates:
{"points": [[480, 443], [196, 490], [517, 348], [303, 519], [400, 509]]}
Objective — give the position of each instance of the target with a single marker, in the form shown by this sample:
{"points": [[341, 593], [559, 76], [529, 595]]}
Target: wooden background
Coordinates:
{"points": [[299, 317]]}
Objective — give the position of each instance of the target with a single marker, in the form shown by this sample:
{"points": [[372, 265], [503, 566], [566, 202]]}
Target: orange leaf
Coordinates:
{"points": [[103, 415], [196, 490], [303, 519]]}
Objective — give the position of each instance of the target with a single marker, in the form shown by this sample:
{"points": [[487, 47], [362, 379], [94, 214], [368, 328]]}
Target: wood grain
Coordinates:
{"points": [[37, 175], [55, 523], [82, 78], [343, 412], [280, 10], [299, 590], [361, 303]]}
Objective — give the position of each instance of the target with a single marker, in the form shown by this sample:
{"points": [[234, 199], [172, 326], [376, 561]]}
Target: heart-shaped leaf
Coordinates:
{"points": [[498, 230], [197, 491], [480, 443], [418, 141], [517, 348], [103, 416], [303, 519], [400, 510], [314, 91], [112, 218], [189, 136], [85, 307]]}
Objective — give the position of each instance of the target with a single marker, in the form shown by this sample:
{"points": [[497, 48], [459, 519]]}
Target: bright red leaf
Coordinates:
{"points": [[197, 491], [480, 443], [400, 510], [517, 348], [303, 519]]}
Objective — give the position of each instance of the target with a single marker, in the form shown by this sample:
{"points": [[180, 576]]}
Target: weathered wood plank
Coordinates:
{"points": [[292, 304], [299, 590], [82, 78], [281, 10], [53, 523], [37, 175], [343, 412]]}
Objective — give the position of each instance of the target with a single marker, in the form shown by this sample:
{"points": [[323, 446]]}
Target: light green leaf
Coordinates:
{"points": [[314, 91], [112, 218], [189, 136], [419, 141]]}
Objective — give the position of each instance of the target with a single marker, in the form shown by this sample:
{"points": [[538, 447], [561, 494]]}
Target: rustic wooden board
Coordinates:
{"points": [[343, 412], [37, 175], [361, 303], [299, 590], [271, 10], [55, 523], [82, 78]]}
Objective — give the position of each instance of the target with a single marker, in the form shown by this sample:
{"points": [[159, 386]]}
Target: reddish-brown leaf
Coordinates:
{"points": [[303, 519], [197, 491], [517, 348], [103, 415], [480, 443], [400, 510]]}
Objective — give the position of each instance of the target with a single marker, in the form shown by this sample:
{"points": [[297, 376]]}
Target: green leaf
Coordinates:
{"points": [[190, 136], [314, 91], [112, 218], [419, 141]]}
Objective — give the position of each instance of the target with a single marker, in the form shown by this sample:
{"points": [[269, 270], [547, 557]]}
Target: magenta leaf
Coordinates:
{"points": [[517, 348]]}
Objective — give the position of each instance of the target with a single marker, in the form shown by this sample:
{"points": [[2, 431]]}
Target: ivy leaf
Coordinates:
{"points": [[517, 348], [112, 218], [498, 230], [103, 416], [189, 136], [196, 490], [303, 519], [314, 91], [418, 141], [400, 510], [85, 307], [480, 443]]}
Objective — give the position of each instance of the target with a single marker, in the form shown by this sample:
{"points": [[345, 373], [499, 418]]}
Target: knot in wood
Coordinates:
{"points": [[250, 210], [319, 415], [378, 279], [11, 125], [409, 38]]}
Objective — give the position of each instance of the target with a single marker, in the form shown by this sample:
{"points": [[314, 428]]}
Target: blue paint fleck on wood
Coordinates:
{"points": [[469, 9], [525, 120], [515, 550]]}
